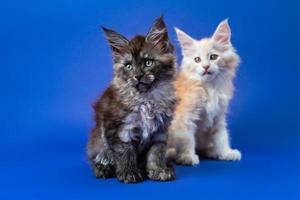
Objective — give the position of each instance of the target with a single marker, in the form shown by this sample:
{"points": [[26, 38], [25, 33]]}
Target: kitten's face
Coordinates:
{"points": [[143, 62], [208, 58]]}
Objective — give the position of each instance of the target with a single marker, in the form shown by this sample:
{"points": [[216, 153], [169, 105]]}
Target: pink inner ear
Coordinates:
{"points": [[185, 40], [222, 34], [222, 38]]}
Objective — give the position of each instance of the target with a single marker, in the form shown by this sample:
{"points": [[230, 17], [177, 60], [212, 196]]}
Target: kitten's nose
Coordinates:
{"points": [[138, 77], [206, 67]]}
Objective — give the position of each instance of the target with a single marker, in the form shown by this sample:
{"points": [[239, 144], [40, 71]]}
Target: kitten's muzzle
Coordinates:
{"points": [[138, 77], [206, 70], [144, 83], [206, 67], [144, 79]]}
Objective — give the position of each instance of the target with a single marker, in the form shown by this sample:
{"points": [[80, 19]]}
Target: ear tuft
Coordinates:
{"points": [[186, 42], [158, 32], [223, 33], [184, 39], [116, 40]]}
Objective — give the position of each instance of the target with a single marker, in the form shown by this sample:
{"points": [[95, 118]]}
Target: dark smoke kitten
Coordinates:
{"points": [[132, 116]]}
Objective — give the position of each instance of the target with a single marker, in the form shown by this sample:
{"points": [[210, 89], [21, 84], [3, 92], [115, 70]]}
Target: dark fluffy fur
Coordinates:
{"points": [[133, 114]]}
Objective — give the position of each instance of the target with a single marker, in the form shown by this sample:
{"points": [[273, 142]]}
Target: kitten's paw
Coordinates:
{"points": [[167, 174], [104, 171], [232, 154], [171, 154], [130, 177], [186, 159]]}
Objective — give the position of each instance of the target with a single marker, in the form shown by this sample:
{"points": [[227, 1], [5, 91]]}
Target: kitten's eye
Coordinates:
{"points": [[213, 57], [128, 67], [148, 63], [197, 59]]}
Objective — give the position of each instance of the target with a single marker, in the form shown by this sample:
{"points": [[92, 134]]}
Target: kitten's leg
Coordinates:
{"points": [[157, 167], [125, 158], [186, 147], [99, 156], [182, 140], [171, 148], [221, 146], [103, 167]]}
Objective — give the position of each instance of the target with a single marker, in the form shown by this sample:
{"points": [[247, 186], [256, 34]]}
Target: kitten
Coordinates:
{"points": [[133, 114], [204, 87]]}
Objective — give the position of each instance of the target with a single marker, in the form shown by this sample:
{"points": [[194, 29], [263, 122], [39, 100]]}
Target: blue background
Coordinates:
{"points": [[55, 62]]}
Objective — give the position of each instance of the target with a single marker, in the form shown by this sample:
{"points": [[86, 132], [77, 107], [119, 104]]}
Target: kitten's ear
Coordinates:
{"points": [[185, 40], [223, 33], [158, 33], [116, 41]]}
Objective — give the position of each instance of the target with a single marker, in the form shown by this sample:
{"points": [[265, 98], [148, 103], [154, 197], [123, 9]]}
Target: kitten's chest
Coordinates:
{"points": [[149, 118], [150, 114], [214, 107], [145, 121]]}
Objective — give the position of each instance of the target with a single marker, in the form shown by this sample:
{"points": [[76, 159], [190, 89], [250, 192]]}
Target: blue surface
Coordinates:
{"points": [[55, 61]]}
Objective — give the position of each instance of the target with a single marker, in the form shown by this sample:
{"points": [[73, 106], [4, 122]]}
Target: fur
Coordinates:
{"points": [[132, 116], [204, 87]]}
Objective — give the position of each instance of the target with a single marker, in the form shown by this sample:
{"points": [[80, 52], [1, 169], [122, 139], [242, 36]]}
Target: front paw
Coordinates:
{"points": [[104, 171], [130, 177], [166, 174], [232, 154], [187, 159]]}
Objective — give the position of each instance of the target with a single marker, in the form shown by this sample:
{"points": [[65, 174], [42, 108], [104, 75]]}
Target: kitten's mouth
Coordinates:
{"points": [[143, 87], [206, 73], [144, 84]]}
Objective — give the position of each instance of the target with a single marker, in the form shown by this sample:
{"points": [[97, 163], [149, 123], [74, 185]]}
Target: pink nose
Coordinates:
{"points": [[206, 67]]}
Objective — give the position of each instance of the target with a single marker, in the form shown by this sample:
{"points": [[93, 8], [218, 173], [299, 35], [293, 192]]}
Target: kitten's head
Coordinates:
{"points": [[143, 61], [209, 58]]}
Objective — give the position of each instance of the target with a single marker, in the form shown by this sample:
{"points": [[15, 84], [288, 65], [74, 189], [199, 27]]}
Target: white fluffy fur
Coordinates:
{"points": [[199, 123]]}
